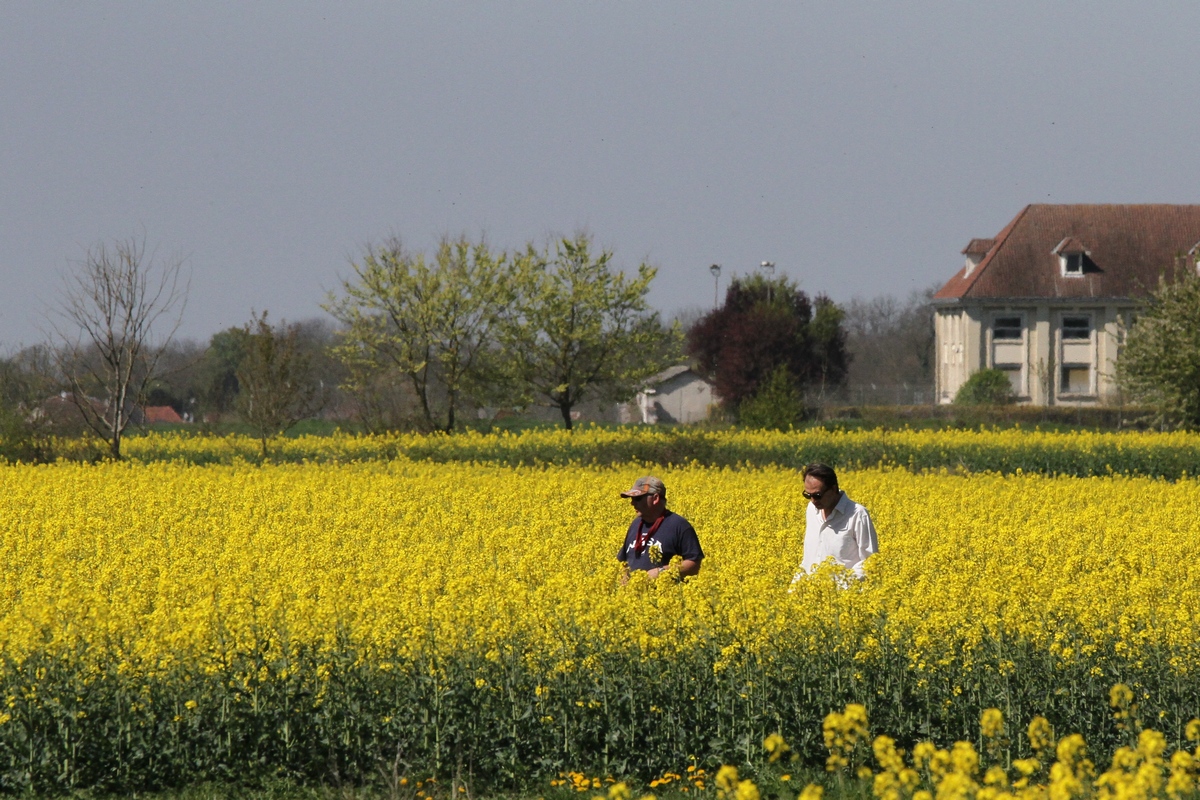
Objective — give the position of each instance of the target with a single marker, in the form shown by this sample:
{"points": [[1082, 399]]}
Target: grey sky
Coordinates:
{"points": [[857, 145]]}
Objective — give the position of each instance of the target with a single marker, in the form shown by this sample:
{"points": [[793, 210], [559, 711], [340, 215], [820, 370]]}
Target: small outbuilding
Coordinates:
{"points": [[677, 394]]}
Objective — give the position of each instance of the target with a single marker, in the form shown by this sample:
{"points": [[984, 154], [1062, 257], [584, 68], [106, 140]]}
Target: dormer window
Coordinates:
{"points": [[1072, 257], [975, 252]]}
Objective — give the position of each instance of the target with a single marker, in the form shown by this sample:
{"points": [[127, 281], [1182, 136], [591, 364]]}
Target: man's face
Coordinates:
{"points": [[647, 505], [823, 497]]}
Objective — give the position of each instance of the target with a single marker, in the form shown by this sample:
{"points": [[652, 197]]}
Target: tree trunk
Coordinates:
{"points": [[419, 388], [565, 408], [450, 413]]}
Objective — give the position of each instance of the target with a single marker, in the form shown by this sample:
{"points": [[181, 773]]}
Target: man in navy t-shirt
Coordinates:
{"points": [[657, 535]]}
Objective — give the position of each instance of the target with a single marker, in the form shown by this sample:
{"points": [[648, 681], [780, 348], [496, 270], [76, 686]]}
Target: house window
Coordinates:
{"points": [[1077, 328], [1077, 354], [1013, 373], [1006, 328], [1072, 263], [1008, 349], [1076, 379]]}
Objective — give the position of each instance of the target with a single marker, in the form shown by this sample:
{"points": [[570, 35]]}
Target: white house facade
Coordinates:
{"points": [[1048, 300], [677, 394]]}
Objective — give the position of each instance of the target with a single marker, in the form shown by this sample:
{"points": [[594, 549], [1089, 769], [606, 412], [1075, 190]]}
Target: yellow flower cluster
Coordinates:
{"points": [[843, 734], [582, 783], [776, 747], [730, 787], [1141, 772]]}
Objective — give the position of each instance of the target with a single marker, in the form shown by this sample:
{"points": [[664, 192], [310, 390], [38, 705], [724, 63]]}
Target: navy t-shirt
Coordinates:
{"points": [[674, 537]]}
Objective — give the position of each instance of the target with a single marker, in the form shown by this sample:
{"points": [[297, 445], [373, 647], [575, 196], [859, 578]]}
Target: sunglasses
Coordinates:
{"points": [[816, 495]]}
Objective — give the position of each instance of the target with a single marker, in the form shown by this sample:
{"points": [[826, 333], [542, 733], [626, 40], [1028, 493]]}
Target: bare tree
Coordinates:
{"points": [[107, 319], [277, 388], [891, 342]]}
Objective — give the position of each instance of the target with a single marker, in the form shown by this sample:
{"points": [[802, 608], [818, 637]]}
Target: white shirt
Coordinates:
{"points": [[847, 535]]}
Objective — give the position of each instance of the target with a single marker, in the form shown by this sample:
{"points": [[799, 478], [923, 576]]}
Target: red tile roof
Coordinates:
{"points": [[978, 247], [1128, 247], [1069, 245], [156, 414]]}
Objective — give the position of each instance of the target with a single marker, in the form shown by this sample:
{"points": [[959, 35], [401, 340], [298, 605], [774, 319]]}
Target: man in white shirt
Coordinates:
{"points": [[835, 526]]}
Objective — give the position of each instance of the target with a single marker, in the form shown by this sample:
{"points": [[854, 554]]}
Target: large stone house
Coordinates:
{"points": [[1049, 298]]}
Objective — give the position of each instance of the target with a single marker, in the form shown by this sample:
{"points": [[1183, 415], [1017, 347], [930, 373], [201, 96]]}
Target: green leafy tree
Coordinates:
{"points": [[987, 387], [1159, 365], [777, 405], [26, 430], [827, 339], [432, 323], [579, 330], [179, 382], [219, 368], [276, 388]]}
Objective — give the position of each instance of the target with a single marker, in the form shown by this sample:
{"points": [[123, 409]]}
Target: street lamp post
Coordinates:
{"points": [[769, 268], [715, 269]]}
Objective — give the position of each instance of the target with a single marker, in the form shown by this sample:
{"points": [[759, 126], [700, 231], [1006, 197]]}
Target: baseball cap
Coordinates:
{"points": [[645, 485]]}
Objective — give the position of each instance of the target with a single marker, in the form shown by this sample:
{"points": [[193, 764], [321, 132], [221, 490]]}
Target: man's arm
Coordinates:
{"points": [[691, 553], [808, 557], [686, 568], [865, 537], [623, 551]]}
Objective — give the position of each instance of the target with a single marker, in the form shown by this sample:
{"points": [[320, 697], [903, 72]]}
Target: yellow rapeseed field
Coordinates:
{"points": [[178, 561], [163, 622], [1080, 453]]}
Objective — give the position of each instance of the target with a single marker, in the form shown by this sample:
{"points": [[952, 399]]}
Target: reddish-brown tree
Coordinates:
{"points": [[765, 324]]}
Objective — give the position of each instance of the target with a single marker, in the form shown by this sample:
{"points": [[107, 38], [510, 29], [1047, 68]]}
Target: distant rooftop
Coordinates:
{"points": [[1128, 247]]}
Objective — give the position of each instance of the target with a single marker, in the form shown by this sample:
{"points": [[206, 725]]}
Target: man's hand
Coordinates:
{"points": [[682, 568]]}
